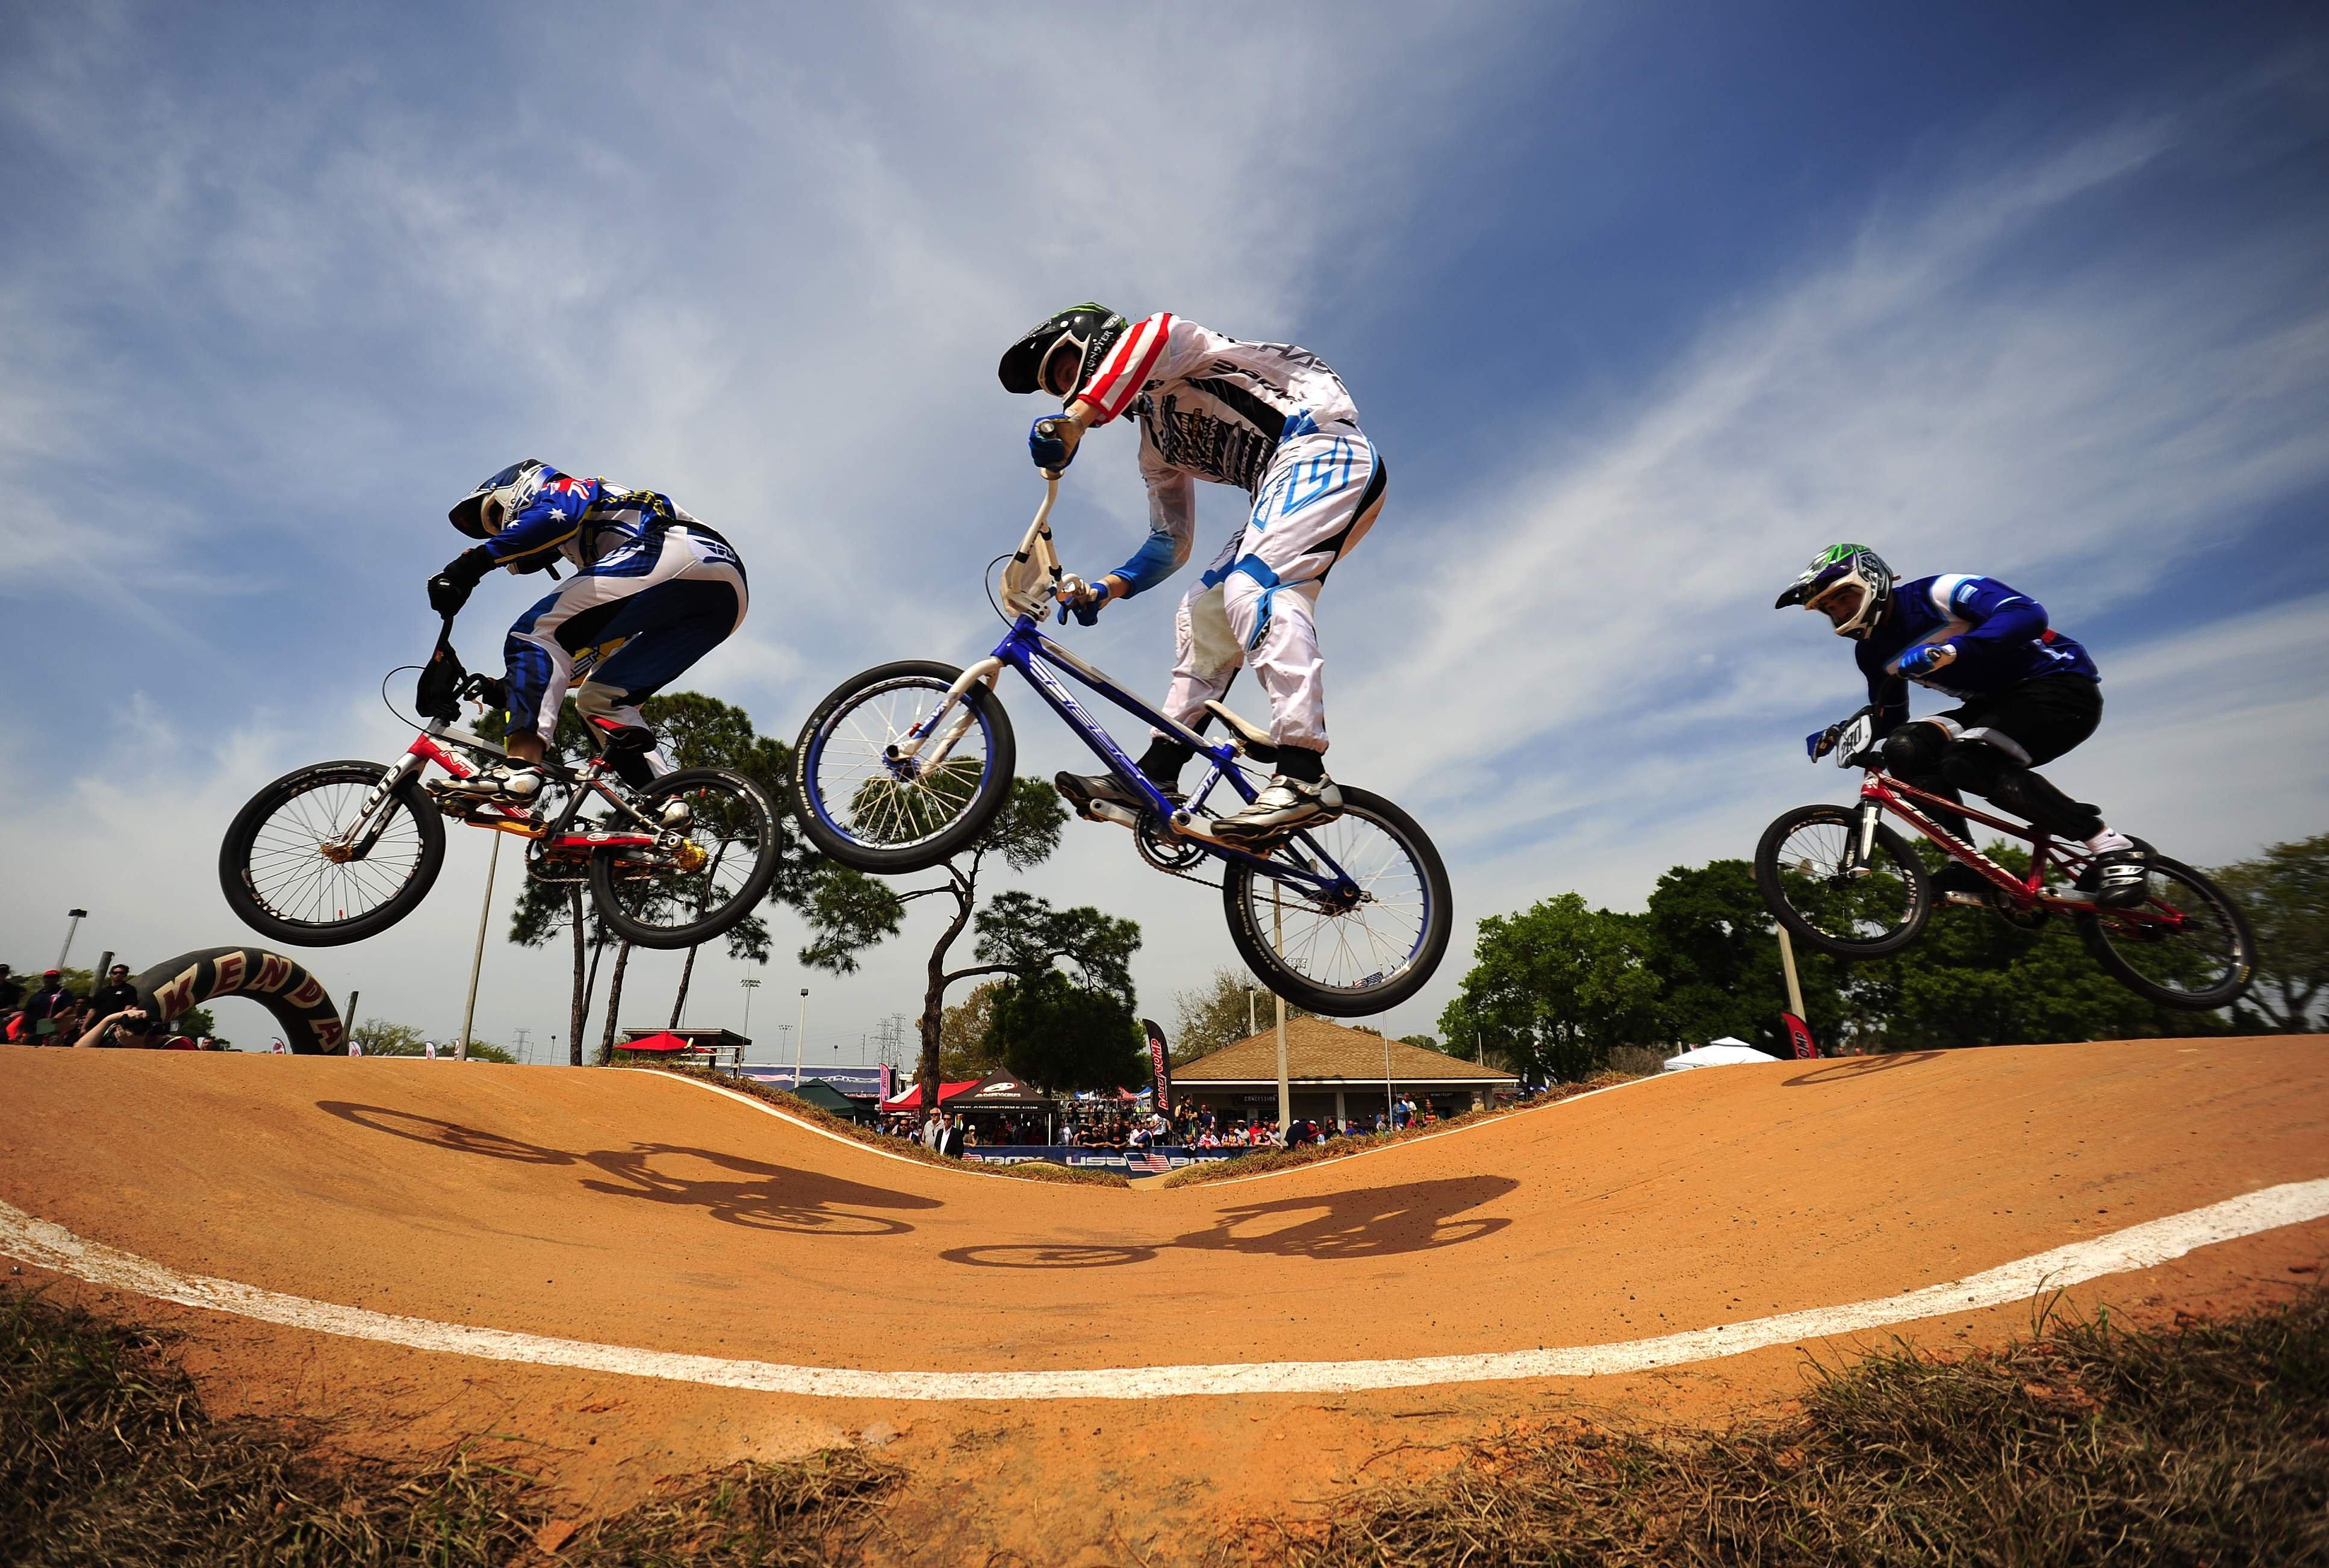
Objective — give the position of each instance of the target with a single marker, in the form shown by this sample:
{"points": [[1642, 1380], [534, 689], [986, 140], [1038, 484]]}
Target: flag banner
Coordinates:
{"points": [[1162, 1062], [1799, 1036]]}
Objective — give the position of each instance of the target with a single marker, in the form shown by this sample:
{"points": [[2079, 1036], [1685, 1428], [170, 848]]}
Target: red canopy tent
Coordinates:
{"points": [[666, 1041], [912, 1099]]}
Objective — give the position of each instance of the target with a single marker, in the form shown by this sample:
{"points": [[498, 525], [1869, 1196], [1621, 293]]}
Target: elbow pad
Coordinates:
{"points": [[1155, 561]]}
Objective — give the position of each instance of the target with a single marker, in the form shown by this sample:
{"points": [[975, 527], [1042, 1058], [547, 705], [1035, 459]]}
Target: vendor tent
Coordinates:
{"points": [[825, 1097], [912, 1099], [1725, 1051], [1000, 1092]]}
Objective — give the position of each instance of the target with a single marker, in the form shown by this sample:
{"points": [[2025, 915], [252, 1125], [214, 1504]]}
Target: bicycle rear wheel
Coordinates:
{"points": [[1804, 869], [710, 883], [2186, 946], [286, 877], [1346, 958], [874, 813]]}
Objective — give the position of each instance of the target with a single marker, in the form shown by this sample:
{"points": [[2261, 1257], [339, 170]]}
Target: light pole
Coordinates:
{"points": [[74, 916], [800, 1040], [1278, 944], [750, 986], [1251, 1028], [477, 962]]}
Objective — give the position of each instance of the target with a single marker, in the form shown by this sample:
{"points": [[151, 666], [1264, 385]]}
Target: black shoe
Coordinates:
{"points": [[2118, 878], [1080, 791]]}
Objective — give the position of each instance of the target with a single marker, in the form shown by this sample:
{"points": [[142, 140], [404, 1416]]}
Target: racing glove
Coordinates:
{"points": [[450, 589], [1925, 660], [1051, 441], [1820, 742], [1086, 609]]}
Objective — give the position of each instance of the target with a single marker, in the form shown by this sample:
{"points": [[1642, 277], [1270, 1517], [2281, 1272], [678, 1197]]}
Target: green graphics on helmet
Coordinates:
{"points": [[1087, 331], [1838, 563]]}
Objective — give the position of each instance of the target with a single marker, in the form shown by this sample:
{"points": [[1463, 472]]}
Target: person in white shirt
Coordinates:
{"points": [[1272, 420]]}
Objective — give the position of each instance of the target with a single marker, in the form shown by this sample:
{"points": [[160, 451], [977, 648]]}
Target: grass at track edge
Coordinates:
{"points": [[2092, 1442], [906, 1148], [1266, 1160], [108, 1459]]}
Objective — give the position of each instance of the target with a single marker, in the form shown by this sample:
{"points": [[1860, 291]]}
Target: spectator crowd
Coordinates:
{"points": [[52, 1012]]}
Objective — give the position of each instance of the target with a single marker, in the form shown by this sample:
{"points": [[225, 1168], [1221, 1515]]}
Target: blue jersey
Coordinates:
{"points": [[584, 520], [2001, 636]]}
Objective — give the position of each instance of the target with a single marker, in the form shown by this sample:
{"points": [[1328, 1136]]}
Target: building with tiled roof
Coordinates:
{"points": [[1334, 1070]]}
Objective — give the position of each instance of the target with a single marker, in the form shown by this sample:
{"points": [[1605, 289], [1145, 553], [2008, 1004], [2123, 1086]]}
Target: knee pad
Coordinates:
{"points": [[1914, 751], [2039, 803]]}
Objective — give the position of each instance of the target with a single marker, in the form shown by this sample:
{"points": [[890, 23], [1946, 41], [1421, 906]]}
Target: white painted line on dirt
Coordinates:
{"points": [[766, 1108], [51, 1246]]}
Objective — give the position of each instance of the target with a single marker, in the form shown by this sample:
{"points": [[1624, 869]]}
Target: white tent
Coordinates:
{"points": [[1723, 1053]]}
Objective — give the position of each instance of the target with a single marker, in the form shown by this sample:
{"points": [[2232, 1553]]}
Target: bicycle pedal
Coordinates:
{"points": [[1966, 899]]}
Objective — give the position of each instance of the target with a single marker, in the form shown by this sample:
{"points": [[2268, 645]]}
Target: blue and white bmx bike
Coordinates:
{"points": [[905, 765]]}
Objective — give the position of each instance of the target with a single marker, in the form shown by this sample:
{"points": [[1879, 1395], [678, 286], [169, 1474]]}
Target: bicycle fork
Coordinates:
{"points": [[908, 749]]}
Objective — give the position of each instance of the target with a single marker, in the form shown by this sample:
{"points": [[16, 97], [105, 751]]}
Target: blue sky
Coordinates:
{"points": [[1642, 304]]}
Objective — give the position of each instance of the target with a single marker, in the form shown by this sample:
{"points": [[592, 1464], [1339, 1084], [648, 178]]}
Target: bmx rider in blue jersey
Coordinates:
{"points": [[2026, 694]]}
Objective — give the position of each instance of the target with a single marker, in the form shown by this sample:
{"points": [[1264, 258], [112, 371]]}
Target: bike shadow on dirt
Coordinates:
{"points": [[754, 1195], [1843, 1069], [1370, 1222]]}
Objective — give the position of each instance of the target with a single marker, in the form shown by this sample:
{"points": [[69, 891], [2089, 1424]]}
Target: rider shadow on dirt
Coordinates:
{"points": [[1843, 1069], [1370, 1223], [761, 1197]]}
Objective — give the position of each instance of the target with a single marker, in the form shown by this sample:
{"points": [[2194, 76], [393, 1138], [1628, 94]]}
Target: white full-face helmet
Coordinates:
{"points": [[484, 511]]}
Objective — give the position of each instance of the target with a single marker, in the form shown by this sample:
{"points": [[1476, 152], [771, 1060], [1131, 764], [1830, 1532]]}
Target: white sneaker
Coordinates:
{"points": [[514, 785], [1287, 806]]}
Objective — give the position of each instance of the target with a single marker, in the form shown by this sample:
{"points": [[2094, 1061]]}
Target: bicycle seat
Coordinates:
{"points": [[1256, 739]]}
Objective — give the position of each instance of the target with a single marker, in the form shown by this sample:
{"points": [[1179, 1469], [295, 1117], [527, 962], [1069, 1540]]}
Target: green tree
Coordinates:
{"points": [[1225, 1009], [848, 914], [962, 1035], [1716, 951], [1050, 1029], [2285, 892], [1555, 987], [379, 1037]]}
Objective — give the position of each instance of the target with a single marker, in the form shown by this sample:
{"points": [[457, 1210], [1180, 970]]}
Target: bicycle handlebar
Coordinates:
{"points": [[1033, 582]]}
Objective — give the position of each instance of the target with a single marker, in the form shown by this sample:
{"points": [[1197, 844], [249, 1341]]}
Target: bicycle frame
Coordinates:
{"points": [[556, 838], [1031, 585], [1881, 792]]}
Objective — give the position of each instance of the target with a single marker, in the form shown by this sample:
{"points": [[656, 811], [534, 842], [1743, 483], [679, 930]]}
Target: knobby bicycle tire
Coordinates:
{"points": [[1254, 946], [1775, 898], [2095, 933], [747, 894], [818, 822], [235, 851]]}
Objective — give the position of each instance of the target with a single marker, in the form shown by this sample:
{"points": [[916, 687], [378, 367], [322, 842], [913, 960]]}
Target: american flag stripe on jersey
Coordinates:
{"points": [[1121, 374]]}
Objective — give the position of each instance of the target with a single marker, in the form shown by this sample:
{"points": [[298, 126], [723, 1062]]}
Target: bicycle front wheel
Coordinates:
{"points": [[876, 813], [1804, 870], [2187, 945], [1366, 950], [709, 873], [286, 865]]}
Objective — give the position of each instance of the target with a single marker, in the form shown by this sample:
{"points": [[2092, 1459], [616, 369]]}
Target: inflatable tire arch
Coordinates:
{"points": [[311, 1025]]}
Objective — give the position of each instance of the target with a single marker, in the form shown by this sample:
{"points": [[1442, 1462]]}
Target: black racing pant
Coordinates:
{"points": [[1989, 744]]}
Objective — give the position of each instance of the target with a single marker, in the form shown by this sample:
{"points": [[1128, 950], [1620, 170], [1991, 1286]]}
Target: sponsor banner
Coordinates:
{"points": [[1799, 1037], [1129, 1161], [1161, 1061], [870, 1083]]}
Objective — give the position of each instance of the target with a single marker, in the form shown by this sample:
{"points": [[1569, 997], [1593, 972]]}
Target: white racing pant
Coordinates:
{"points": [[1257, 604]]}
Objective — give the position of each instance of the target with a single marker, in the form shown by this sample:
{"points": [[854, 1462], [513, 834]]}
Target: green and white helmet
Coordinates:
{"points": [[1845, 563]]}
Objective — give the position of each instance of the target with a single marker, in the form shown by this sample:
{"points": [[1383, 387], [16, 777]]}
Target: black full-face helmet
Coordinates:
{"points": [[506, 495], [1845, 566], [1085, 331]]}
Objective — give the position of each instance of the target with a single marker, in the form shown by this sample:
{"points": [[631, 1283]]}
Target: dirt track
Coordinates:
{"points": [[633, 1210]]}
